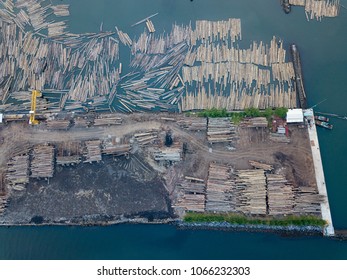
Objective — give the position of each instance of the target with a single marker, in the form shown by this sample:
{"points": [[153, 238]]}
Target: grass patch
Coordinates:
{"points": [[238, 219]]}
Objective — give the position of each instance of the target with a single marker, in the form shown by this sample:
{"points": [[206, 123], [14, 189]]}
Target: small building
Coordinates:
{"points": [[295, 116]]}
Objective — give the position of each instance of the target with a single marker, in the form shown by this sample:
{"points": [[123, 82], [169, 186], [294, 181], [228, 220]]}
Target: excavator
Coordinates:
{"points": [[34, 95]]}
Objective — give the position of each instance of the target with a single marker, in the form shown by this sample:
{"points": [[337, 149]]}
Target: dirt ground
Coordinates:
{"points": [[137, 187]]}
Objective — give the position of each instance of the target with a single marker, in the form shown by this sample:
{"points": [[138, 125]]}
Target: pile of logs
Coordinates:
{"points": [[42, 161], [93, 151], [107, 119], [193, 124], [251, 188], [3, 194], [172, 154], [220, 130], [254, 122], [146, 138], [260, 165], [219, 195], [191, 195], [116, 149], [307, 201], [58, 124], [280, 195], [81, 122], [17, 175]]}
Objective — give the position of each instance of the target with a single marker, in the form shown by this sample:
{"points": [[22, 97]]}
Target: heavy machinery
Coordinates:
{"points": [[34, 95]]}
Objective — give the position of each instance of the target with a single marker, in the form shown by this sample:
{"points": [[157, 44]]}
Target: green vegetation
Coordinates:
{"points": [[238, 219], [238, 116]]}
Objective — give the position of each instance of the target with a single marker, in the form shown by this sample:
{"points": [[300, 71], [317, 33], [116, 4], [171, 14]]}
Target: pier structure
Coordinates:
{"points": [[298, 76], [319, 172]]}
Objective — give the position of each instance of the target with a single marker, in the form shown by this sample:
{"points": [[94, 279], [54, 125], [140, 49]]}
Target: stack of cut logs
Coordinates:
{"points": [[255, 122], [251, 188], [220, 130], [219, 197], [58, 124], [260, 165], [107, 119], [81, 122], [18, 172], [193, 124], [307, 201], [191, 195], [3, 194], [146, 138], [93, 151], [116, 149], [280, 195], [168, 154], [42, 163]]}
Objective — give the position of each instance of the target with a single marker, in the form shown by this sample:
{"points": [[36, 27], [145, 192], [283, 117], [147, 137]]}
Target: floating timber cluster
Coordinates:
{"points": [[318, 9], [190, 67], [256, 191]]}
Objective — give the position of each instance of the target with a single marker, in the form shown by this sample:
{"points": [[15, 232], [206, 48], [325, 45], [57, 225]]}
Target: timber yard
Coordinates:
{"points": [[180, 130]]}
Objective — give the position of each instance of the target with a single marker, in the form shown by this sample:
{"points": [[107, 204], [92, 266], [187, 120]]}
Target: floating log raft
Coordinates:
{"points": [[17, 175], [220, 130], [107, 119], [280, 195], [61, 10], [93, 151], [42, 161], [251, 188], [150, 26], [219, 189]]}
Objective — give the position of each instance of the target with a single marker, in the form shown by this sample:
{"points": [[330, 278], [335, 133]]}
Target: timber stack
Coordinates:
{"points": [[220, 130], [17, 176], [219, 196], [93, 151], [42, 161]]}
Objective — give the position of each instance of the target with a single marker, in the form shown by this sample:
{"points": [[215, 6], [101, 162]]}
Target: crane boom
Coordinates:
{"points": [[34, 95]]}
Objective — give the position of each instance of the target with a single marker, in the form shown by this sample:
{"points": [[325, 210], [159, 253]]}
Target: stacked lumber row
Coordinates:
{"points": [[260, 165], [219, 189], [17, 174], [3, 194], [93, 151], [68, 160], [107, 119], [116, 149], [250, 186], [191, 195], [220, 130], [280, 195], [81, 122], [146, 138], [193, 124], [171, 154], [42, 161], [307, 201], [58, 124], [254, 122]]}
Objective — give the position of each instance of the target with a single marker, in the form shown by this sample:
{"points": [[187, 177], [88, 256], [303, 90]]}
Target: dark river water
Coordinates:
{"points": [[323, 47]]}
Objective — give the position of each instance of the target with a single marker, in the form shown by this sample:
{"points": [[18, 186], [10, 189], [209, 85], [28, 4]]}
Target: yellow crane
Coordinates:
{"points": [[34, 95]]}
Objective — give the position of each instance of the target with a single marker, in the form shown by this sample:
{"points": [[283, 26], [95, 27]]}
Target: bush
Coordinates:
{"points": [[238, 219]]}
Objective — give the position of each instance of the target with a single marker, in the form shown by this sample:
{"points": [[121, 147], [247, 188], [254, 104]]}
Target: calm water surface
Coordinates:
{"points": [[323, 47]]}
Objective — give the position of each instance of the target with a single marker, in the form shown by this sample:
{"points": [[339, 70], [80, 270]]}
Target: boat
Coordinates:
{"points": [[322, 118], [286, 6], [324, 124]]}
